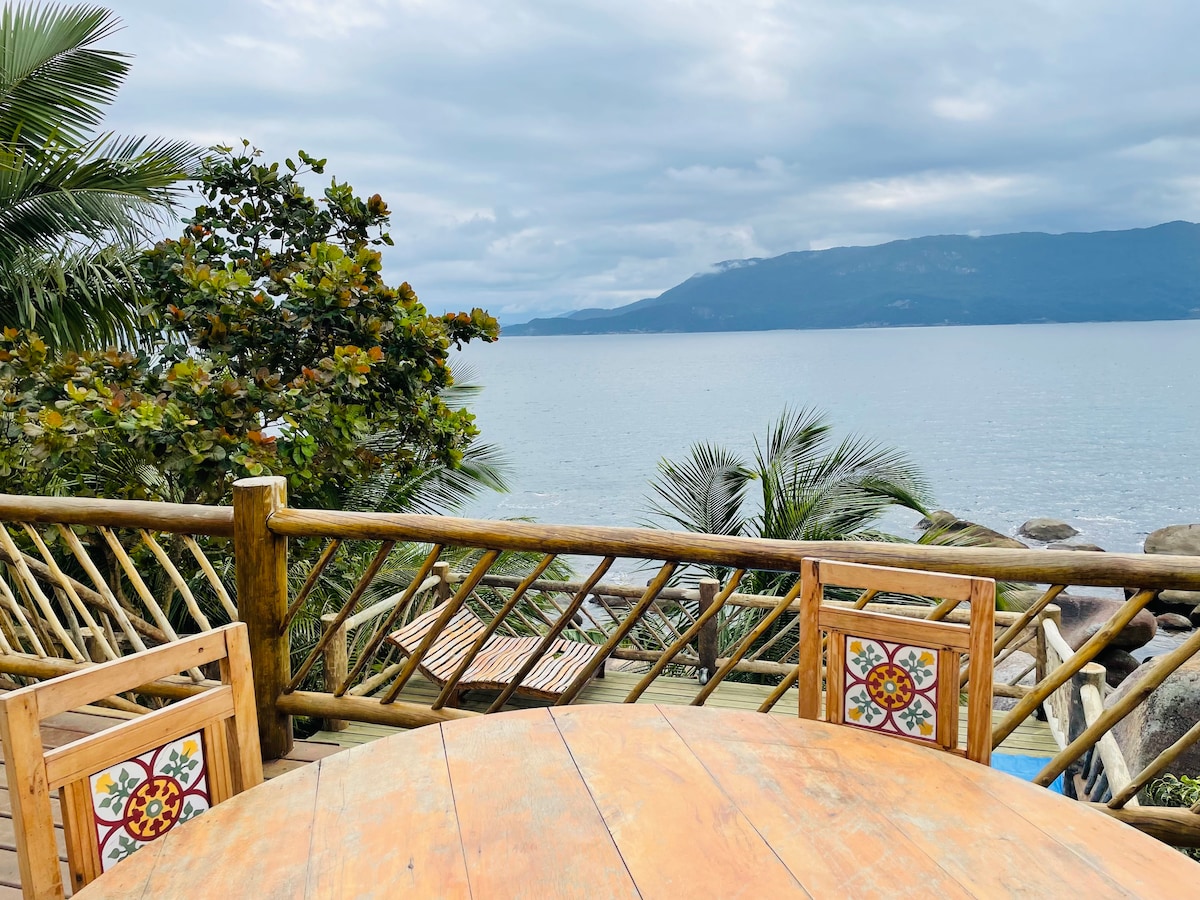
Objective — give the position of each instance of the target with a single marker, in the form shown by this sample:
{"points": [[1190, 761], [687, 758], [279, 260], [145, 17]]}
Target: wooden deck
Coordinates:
{"points": [[1032, 738]]}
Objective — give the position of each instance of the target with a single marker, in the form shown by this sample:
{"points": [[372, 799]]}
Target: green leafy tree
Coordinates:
{"points": [[74, 206], [271, 345]]}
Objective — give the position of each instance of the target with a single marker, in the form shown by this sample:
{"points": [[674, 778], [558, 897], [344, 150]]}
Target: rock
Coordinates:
{"points": [[1177, 540], [940, 517], [1173, 622], [1194, 616], [1118, 665], [1162, 718], [1047, 530], [1082, 617], [1092, 548], [960, 532]]}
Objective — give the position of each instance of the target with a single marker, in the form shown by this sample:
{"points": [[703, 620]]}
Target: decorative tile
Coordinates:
{"points": [[136, 801], [891, 688]]}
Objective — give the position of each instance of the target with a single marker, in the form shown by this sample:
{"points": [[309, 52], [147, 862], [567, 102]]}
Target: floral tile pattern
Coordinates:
{"points": [[891, 688], [136, 801]]}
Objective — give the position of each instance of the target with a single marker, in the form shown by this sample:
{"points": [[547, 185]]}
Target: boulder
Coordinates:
{"points": [[939, 517], [1092, 548], [1194, 616], [963, 533], [1047, 530], [1118, 665], [1173, 622], [1082, 617], [1162, 718], [1176, 540]]}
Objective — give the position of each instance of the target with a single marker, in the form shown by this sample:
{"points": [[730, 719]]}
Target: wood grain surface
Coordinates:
{"points": [[650, 801]]}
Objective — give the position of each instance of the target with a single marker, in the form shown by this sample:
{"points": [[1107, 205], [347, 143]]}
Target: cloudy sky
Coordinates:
{"points": [[547, 155]]}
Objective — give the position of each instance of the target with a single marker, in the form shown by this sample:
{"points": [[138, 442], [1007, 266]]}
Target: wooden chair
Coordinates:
{"points": [[121, 788], [498, 661], [895, 675]]}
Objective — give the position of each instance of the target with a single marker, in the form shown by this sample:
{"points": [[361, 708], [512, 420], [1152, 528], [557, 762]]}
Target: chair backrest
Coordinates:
{"points": [[892, 674], [126, 786]]}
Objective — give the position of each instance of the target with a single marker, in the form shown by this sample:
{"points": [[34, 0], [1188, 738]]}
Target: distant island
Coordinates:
{"points": [[1105, 276]]}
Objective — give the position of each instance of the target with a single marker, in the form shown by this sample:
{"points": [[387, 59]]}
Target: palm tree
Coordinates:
{"points": [[810, 488], [74, 206]]}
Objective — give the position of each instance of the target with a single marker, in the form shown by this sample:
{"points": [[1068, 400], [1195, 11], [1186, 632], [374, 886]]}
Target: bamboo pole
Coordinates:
{"points": [[211, 574], [449, 608], [448, 689], [139, 585], [181, 585], [344, 613], [1024, 707], [707, 615], [17, 562], [1046, 566], [735, 657], [585, 674], [1027, 616], [363, 709], [104, 597], [415, 587], [335, 663], [309, 583], [64, 584], [552, 635], [14, 605], [173, 517], [1156, 674]]}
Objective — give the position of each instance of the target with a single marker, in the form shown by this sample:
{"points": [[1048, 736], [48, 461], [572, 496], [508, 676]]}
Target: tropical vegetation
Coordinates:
{"points": [[76, 205], [269, 344], [801, 484]]}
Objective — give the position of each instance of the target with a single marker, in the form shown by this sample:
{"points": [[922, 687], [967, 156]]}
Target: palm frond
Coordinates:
{"points": [[704, 493], [54, 80]]}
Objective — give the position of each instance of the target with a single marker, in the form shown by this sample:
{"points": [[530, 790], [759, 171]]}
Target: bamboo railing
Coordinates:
{"points": [[701, 631]]}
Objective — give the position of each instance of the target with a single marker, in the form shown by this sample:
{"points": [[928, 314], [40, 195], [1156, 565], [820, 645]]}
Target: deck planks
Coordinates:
{"points": [[1032, 737]]}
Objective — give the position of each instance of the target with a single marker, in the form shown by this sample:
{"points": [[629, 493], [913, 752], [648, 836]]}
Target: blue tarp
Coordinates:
{"points": [[1024, 767]]}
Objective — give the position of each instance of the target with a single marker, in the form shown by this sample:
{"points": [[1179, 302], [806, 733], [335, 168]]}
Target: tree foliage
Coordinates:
{"points": [[271, 344], [74, 205]]}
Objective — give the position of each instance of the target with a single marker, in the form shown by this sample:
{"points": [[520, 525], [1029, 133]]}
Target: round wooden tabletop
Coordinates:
{"points": [[651, 801]]}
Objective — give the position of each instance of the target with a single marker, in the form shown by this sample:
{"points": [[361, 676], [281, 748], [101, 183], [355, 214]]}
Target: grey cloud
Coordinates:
{"points": [[541, 156]]}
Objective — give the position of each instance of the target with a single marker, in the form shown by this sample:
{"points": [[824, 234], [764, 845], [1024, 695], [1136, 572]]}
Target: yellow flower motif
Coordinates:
{"points": [[105, 783], [926, 729], [856, 647], [855, 714], [189, 749], [926, 658]]}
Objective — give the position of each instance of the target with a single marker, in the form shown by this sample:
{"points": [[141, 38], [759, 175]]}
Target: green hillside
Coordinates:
{"points": [[1141, 274]]}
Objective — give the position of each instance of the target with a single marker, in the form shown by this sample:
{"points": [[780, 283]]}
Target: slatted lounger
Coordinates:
{"points": [[500, 659]]}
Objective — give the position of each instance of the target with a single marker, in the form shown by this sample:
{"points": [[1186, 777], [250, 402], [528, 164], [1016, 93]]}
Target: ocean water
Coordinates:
{"points": [[1096, 424]]}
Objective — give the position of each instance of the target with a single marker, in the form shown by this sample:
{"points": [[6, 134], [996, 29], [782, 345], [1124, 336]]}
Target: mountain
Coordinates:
{"points": [[1140, 274]]}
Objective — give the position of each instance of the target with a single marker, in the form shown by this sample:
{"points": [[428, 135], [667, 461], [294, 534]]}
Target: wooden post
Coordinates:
{"points": [[707, 639], [262, 602], [336, 663], [443, 591]]}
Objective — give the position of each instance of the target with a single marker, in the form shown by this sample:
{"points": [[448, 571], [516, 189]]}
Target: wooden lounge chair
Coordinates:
{"points": [[895, 675], [129, 785], [498, 661]]}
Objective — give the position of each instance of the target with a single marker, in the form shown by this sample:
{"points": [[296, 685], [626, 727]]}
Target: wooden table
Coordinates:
{"points": [[617, 801]]}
